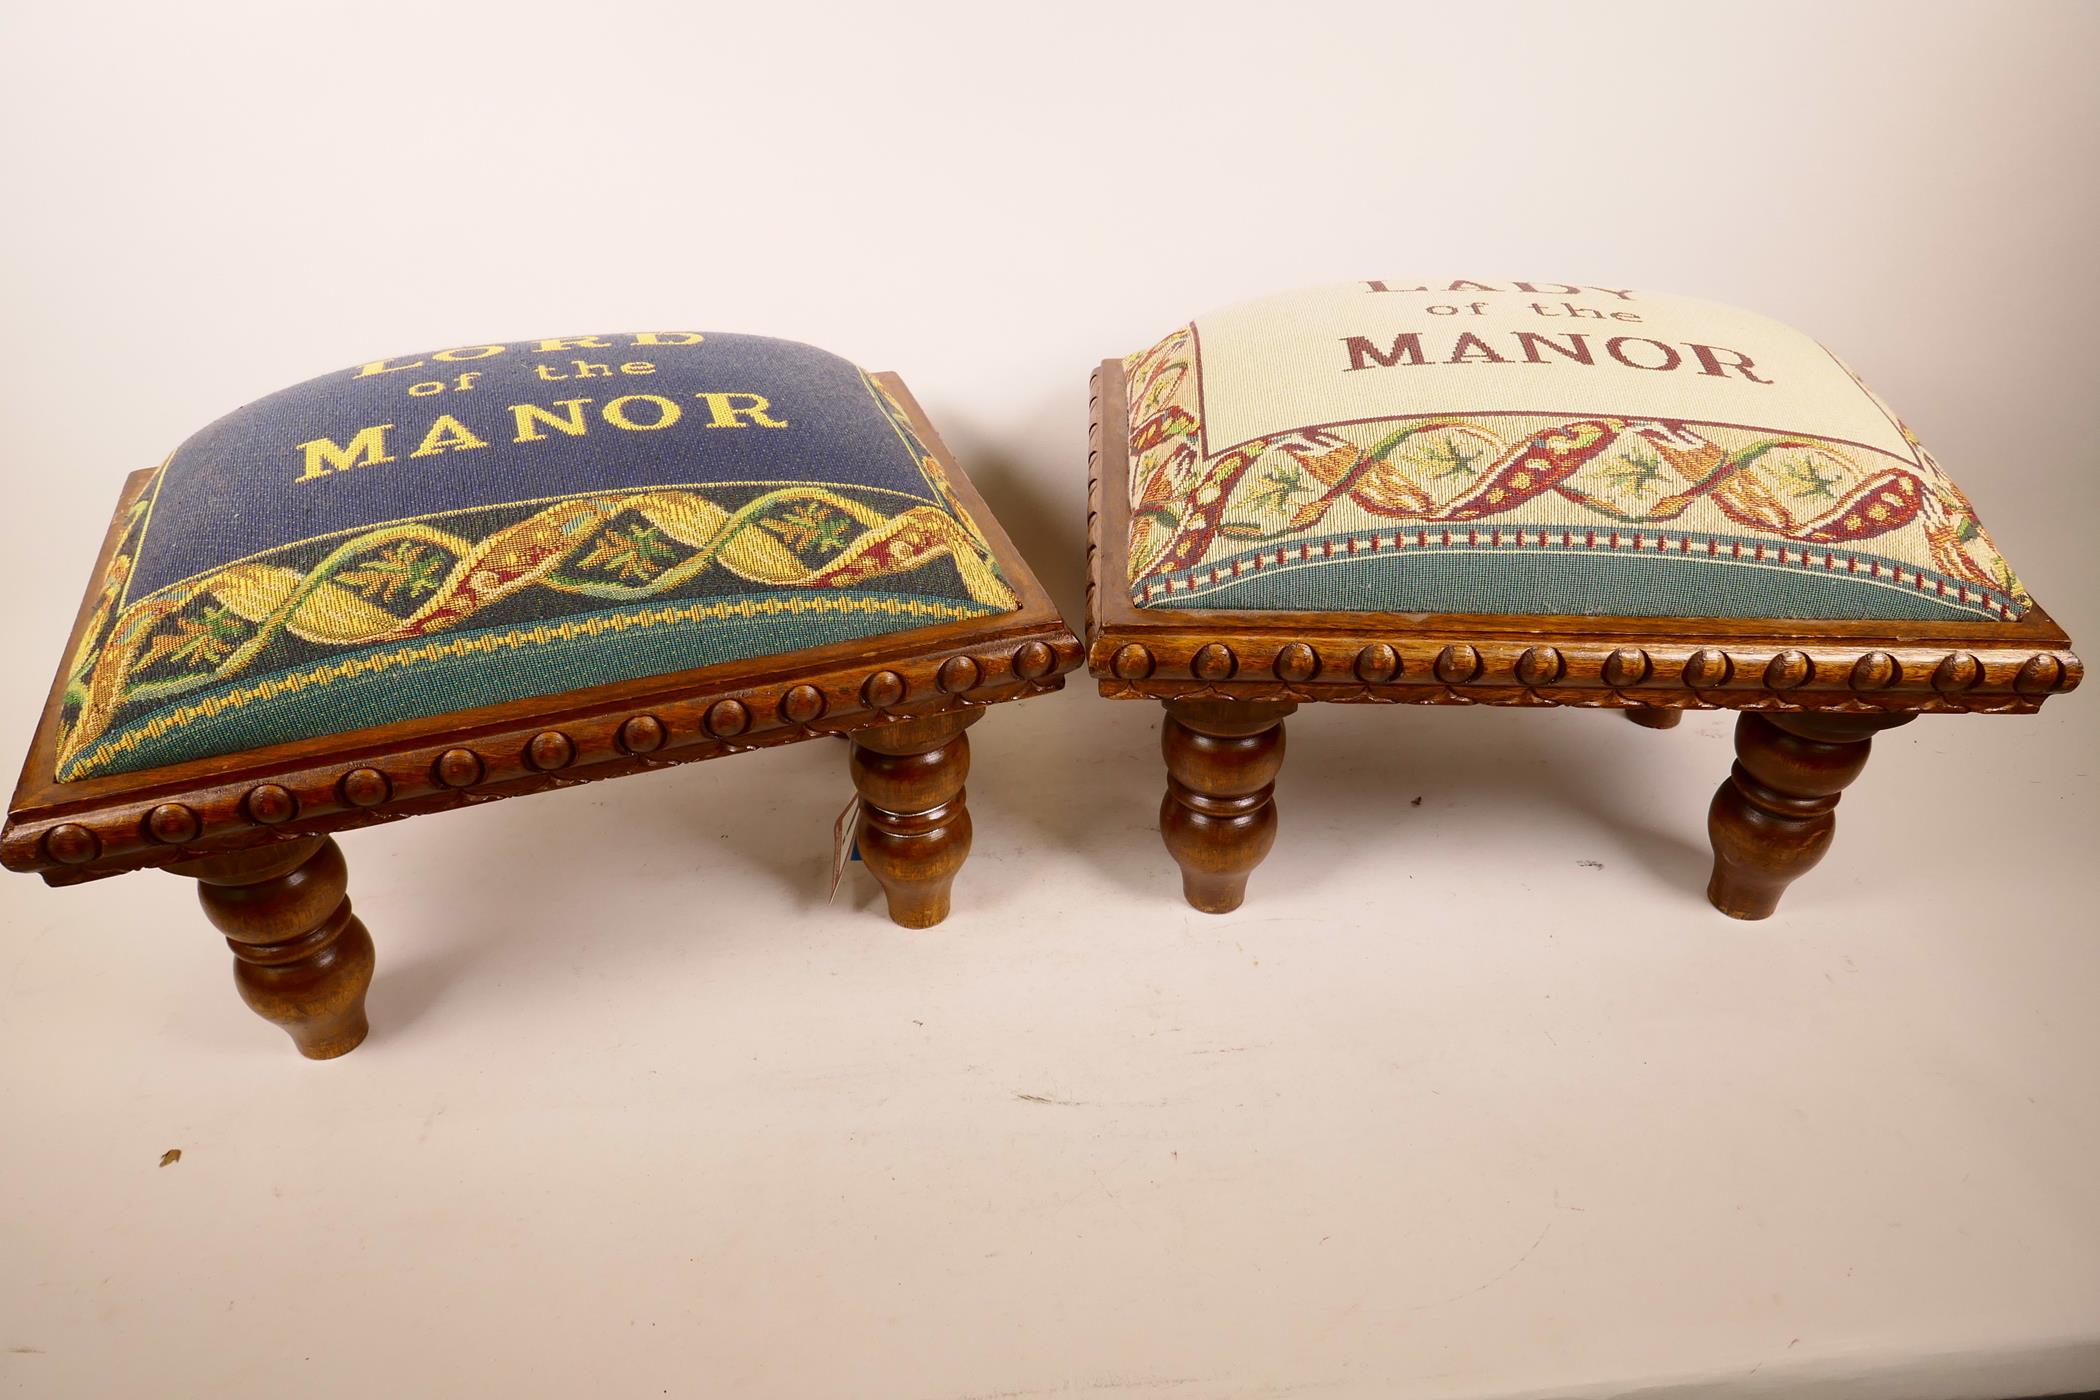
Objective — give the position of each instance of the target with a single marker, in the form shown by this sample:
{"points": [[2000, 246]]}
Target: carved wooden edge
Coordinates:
{"points": [[526, 756], [1095, 584], [1439, 670], [71, 832], [1161, 654]]}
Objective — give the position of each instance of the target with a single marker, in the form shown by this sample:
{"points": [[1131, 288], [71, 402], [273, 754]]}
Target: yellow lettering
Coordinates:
{"points": [[324, 455], [667, 412], [468, 352], [637, 367], [428, 387], [668, 338], [723, 413], [382, 367], [530, 415], [575, 342], [447, 434]]}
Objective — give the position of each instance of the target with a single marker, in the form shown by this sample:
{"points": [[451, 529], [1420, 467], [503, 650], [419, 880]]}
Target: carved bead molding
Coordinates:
{"points": [[1743, 674], [210, 815], [1095, 584]]}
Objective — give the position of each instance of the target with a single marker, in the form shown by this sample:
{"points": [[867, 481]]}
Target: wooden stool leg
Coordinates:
{"points": [[1219, 815], [914, 829], [301, 959], [1654, 716], [1773, 819]]}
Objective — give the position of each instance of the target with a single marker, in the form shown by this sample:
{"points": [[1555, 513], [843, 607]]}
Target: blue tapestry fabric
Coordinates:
{"points": [[430, 533]]}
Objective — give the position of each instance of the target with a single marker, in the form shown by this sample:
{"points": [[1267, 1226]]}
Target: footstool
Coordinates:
{"points": [[1533, 493], [488, 570]]}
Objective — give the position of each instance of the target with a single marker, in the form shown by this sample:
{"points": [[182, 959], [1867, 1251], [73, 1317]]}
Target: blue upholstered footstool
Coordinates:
{"points": [[481, 571], [1534, 493]]}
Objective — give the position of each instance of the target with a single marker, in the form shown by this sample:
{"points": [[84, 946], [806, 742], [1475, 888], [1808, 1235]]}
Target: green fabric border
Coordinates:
{"points": [[1488, 581], [443, 685]]}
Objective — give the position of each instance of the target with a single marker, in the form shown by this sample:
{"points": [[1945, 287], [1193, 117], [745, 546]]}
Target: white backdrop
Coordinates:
{"points": [[1445, 1110]]}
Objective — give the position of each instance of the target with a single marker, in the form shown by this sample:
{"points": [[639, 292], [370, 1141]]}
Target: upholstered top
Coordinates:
{"points": [[434, 532], [1495, 447]]}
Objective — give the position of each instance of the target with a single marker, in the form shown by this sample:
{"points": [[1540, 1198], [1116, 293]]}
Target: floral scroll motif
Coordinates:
{"points": [[1536, 480], [411, 579]]}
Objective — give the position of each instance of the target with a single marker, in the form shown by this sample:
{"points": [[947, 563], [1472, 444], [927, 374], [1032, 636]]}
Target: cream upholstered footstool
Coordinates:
{"points": [[488, 570], [1533, 493]]}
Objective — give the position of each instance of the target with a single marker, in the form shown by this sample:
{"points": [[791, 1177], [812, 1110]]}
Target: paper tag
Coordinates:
{"points": [[843, 846]]}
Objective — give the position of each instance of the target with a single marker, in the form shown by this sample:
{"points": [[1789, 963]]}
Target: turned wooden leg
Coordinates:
{"points": [[300, 958], [1772, 820], [914, 829], [1219, 815], [1654, 716]]}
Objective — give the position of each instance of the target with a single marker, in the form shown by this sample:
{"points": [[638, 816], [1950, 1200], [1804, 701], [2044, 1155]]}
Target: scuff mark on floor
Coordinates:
{"points": [[1480, 1288]]}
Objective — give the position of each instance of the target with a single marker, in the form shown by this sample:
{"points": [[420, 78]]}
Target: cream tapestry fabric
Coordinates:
{"points": [[1534, 447]]}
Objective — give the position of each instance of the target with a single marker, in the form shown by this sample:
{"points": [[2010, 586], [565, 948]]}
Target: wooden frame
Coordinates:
{"points": [[234, 821], [1818, 683]]}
